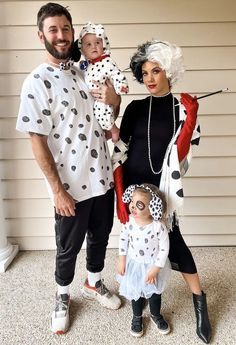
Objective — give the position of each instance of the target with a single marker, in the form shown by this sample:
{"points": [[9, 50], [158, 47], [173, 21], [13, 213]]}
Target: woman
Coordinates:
{"points": [[156, 136]]}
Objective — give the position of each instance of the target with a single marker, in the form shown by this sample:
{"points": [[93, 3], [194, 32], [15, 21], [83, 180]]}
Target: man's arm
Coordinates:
{"points": [[64, 202]]}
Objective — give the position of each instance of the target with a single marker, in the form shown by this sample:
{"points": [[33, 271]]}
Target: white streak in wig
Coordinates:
{"points": [[169, 57]]}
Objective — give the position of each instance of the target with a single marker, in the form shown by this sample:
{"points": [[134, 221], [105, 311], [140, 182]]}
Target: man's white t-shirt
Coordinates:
{"points": [[58, 104]]}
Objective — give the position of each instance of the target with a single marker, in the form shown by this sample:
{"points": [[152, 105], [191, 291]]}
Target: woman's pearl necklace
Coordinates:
{"points": [[149, 135]]}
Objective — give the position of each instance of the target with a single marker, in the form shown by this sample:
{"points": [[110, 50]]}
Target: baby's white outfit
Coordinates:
{"points": [[100, 70], [144, 247]]}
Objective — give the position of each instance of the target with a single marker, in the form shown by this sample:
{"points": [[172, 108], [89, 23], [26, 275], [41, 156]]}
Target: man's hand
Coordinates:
{"points": [[64, 203], [105, 93]]}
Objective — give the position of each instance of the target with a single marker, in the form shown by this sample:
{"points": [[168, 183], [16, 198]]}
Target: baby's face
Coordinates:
{"points": [[92, 46], [139, 206]]}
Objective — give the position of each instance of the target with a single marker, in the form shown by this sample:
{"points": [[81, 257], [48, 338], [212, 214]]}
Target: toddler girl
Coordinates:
{"points": [[143, 267]]}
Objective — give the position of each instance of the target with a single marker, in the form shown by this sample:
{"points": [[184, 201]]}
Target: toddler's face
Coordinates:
{"points": [[139, 206], [92, 46]]}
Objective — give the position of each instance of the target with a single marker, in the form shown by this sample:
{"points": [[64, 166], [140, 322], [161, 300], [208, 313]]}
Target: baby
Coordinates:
{"points": [[99, 67]]}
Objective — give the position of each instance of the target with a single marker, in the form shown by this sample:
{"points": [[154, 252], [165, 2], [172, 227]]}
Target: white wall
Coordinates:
{"points": [[206, 32]]}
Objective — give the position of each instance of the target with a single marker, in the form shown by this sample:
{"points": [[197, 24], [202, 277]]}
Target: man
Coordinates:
{"points": [[70, 148]]}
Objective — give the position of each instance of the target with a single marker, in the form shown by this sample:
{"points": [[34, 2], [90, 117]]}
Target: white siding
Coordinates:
{"points": [[206, 31]]}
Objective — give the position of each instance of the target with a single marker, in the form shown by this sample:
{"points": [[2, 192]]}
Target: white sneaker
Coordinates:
{"points": [[101, 293], [60, 316]]}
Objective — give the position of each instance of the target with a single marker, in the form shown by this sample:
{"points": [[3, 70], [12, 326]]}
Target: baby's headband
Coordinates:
{"points": [[155, 205]]}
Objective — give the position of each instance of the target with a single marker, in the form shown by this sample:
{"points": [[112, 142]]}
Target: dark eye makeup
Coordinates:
{"points": [[140, 205]]}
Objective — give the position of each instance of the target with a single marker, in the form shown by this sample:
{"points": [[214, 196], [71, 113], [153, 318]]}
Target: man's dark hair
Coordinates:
{"points": [[52, 9]]}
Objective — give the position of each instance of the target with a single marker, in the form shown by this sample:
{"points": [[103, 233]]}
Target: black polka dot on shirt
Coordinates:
{"points": [[74, 111], [82, 137], [83, 94], [46, 112], [47, 84], [50, 69], [25, 119], [68, 140], [65, 103], [94, 153], [88, 118]]}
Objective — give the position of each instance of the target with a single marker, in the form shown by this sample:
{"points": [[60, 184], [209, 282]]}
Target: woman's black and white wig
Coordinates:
{"points": [[168, 56]]}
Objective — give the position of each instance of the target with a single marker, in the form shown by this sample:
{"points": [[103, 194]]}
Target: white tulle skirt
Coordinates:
{"points": [[133, 285]]}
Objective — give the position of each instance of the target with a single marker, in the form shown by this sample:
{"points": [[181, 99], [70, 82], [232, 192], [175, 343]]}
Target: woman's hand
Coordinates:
{"points": [[183, 142], [190, 103], [121, 207], [151, 276]]}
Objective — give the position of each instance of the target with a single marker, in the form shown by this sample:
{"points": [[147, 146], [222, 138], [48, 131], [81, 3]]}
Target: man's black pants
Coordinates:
{"points": [[94, 218]]}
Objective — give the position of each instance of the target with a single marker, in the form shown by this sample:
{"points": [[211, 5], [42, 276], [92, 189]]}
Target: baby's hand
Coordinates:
{"points": [[121, 265], [151, 276]]}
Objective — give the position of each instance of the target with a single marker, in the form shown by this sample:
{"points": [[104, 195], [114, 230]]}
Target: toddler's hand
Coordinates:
{"points": [[151, 276], [121, 265]]}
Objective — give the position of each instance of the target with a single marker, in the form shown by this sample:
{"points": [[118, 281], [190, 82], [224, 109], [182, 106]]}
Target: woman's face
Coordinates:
{"points": [[154, 78]]}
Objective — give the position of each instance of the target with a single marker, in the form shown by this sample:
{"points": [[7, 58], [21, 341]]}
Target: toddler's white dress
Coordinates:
{"points": [[144, 247]]}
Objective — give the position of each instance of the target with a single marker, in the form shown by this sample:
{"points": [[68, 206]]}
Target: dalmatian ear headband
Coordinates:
{"points": [[98, 30], [155, 205]]}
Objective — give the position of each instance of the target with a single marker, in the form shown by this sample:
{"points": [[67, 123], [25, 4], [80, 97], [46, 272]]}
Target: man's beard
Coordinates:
{"points": [[57, 55]]}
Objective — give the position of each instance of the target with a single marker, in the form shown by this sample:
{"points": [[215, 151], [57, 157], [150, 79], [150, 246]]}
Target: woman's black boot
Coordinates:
{"points": [[203, 323]]}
